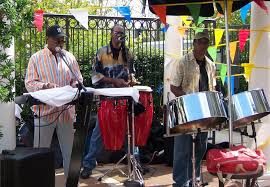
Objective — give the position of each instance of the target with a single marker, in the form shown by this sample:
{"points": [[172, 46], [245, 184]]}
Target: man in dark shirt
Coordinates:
{"points": [[193, 73]]}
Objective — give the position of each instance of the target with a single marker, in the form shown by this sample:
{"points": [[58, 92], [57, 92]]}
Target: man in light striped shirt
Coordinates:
{"points": [[47, 69]]}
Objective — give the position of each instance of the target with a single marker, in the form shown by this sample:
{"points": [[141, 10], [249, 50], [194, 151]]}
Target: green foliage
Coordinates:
{"points": [[12, 20], [235, 19], [57, 7], [149, 71]]}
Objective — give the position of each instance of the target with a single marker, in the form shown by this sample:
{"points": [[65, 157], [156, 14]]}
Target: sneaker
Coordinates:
{"points": [[85, 173]]}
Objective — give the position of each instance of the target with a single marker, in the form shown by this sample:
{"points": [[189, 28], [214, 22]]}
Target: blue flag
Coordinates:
{"points": [[232, 84], [165, 28], [243, 12], [124, 11]]}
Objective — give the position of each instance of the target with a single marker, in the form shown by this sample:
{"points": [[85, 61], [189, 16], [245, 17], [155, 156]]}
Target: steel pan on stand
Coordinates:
{"points": [[193, 113], [248, 107]]}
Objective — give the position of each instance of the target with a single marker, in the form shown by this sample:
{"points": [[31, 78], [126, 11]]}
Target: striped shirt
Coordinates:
{"points": [[44, 67]]}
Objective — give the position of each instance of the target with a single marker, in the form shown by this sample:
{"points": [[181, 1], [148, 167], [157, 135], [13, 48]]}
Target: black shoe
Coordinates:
{"points": [[85, 173]]}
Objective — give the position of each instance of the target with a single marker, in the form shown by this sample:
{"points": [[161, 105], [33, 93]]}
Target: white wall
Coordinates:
{"points": [[260, 55], [7, 115], [172, 50]]}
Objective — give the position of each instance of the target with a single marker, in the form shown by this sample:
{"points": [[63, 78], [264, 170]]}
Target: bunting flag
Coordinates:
{"points": [[262, 5], [223, 72], [218, 35], [198, 30], [243, 35], [243, 12], [160, 12], [233, 46], [200, 20], [165, 28], [247, 69], [232, 84], [194, 11], [186, 21], [81, 15], [38, 19], [182, 31], [229, 8], [125, 11], [212, 50]]}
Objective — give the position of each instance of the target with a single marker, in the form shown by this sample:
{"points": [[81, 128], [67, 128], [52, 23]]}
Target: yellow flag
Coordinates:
{"points": [[247, 69], [186, 21], [218, 36], [182, 31], [233, 46], [229, 9]]}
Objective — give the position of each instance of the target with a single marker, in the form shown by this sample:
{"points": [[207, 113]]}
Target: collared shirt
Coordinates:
{"points": [[186, 73], [44, 67], [106, 66]]}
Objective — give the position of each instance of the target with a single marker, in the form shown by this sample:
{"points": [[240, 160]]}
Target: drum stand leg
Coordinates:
{"points": [[195, 183], [134, 176], [113, 168]]}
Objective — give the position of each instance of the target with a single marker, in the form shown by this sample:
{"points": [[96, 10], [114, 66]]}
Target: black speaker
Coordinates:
{"points": [[27, 167]]}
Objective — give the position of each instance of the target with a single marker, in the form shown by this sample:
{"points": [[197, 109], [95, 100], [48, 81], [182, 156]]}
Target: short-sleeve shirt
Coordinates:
{"points": [[186, 73], [106, 66]]}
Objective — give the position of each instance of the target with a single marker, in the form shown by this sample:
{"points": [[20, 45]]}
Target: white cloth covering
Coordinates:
{"points": [[63, 95]]}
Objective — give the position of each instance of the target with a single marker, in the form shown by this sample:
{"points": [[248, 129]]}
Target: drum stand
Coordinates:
{"points": [[195, 183], [134, 175]]}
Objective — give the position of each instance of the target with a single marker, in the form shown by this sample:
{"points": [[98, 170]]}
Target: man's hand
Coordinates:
{"points": [[73, 83], [119, 83], [49, 85]]}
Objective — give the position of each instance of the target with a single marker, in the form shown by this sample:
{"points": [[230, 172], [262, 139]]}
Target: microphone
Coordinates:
{"points": [[59, 50], [62, 54], [122, 38]]}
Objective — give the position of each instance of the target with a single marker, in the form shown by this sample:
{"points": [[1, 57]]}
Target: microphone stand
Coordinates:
{"points": [[83, 117], [80, 84]]}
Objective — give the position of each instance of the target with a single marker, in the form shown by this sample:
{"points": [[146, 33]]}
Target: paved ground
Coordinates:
{"points": [[159, 176]]}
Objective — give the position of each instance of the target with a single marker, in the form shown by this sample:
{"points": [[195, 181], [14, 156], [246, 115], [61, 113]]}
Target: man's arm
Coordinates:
{"points": [[177, 74]]}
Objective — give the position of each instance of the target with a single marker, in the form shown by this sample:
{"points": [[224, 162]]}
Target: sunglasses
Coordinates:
{"points": [[118, 33]]}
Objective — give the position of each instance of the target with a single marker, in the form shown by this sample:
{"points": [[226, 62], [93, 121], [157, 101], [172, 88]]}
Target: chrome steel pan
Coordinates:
{"points": [[249, 106], [194, 112]]}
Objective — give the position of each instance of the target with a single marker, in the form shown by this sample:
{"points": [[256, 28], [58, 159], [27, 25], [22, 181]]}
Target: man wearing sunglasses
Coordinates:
{"points": [[193, 73], [112, 68], [47, 69]]}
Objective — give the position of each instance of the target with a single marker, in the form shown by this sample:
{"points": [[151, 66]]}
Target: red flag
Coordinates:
{"points": [[243, 36], [161, 12], [262, 5], [38, 19]]}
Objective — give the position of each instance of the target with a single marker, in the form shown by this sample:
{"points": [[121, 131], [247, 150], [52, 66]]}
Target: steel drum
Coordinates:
{"points": [[194, 113], [249, 106]]}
